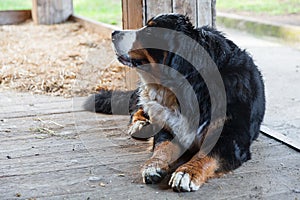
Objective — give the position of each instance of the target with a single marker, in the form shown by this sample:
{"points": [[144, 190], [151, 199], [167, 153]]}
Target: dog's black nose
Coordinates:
{"points": [[115, 33]]}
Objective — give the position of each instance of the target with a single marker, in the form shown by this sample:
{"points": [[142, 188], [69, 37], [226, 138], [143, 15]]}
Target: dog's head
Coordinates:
{"points": [[137, 48]]}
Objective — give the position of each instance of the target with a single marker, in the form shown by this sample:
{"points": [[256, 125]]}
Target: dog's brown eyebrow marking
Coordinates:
{"points": [[151, 23]]}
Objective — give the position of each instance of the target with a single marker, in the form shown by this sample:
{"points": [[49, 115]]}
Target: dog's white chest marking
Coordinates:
{"points": [[163, 109]]}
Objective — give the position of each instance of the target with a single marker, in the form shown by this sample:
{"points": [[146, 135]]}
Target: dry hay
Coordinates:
{"points": [[59, 60]]}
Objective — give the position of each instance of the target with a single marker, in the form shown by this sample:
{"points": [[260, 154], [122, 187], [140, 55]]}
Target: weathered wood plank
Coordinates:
{"points": [[59, 161], [62, 125], [125, 15], [132, 17], [31, 105], [280, 137], [188, 7], [74, 183], [100, 161], [51, 11], [204, 13], [95, 26], [11, 98], [155, 7], [132, 14], [201, 12], [14, 16], [213, 12], [35, 110]]}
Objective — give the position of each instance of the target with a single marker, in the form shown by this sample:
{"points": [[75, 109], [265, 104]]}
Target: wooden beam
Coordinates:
{"points": [[51, 11], [213, 12], [132, 14], [155, 7], [95, 26], [280, 137], [204, 12], [186, 7], [14, 16]]}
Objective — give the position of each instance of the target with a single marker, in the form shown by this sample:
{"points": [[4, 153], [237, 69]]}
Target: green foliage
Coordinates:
{"points": [[107, 11], [15, 4]]}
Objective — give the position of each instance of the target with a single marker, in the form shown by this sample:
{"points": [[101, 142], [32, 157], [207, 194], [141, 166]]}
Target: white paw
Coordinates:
{"points": [[153, 175], [182, 182], [135, 129]]}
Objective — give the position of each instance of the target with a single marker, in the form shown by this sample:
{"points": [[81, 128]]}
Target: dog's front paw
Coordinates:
{"points": [[154, 171], [152, 175], [184, 182], [136, 127], [191, 175]]}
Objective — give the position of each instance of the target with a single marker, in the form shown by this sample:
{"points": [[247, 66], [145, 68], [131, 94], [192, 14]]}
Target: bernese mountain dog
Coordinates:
{"points": [[201, 98]]}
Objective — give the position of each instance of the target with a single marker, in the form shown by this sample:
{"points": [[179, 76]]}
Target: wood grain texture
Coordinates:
{"points": [[95, 26], [204, 13], [51, 11], [201, 12], [14, 16], [132, 14], [90, 156], [187, 7], [155, 7], [281, 137], [133, 18]]}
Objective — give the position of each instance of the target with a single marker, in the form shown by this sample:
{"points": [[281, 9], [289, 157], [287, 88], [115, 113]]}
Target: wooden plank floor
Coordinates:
{"points": [[52, 149]]}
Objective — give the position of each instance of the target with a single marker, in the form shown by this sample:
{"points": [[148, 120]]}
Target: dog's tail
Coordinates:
{"points": [[112, 102]]}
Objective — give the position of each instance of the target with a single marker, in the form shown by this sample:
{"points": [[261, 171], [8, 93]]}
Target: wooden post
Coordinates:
{"points": [[155, 7], [132, 14], [201, 12], [213, 12], [132, 19], [188, 7], [137, 12], [51, 11]]}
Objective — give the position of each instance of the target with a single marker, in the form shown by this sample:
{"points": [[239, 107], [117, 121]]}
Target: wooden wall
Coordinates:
{"points": [[132, 11], [137, 12]]}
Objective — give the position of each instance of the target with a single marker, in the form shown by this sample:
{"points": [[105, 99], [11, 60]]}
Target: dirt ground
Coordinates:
{"points": [[59, 60]]}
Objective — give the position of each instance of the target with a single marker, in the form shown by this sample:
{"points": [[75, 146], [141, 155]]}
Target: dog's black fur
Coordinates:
{"points": [[125, 102], [242, 80]]}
